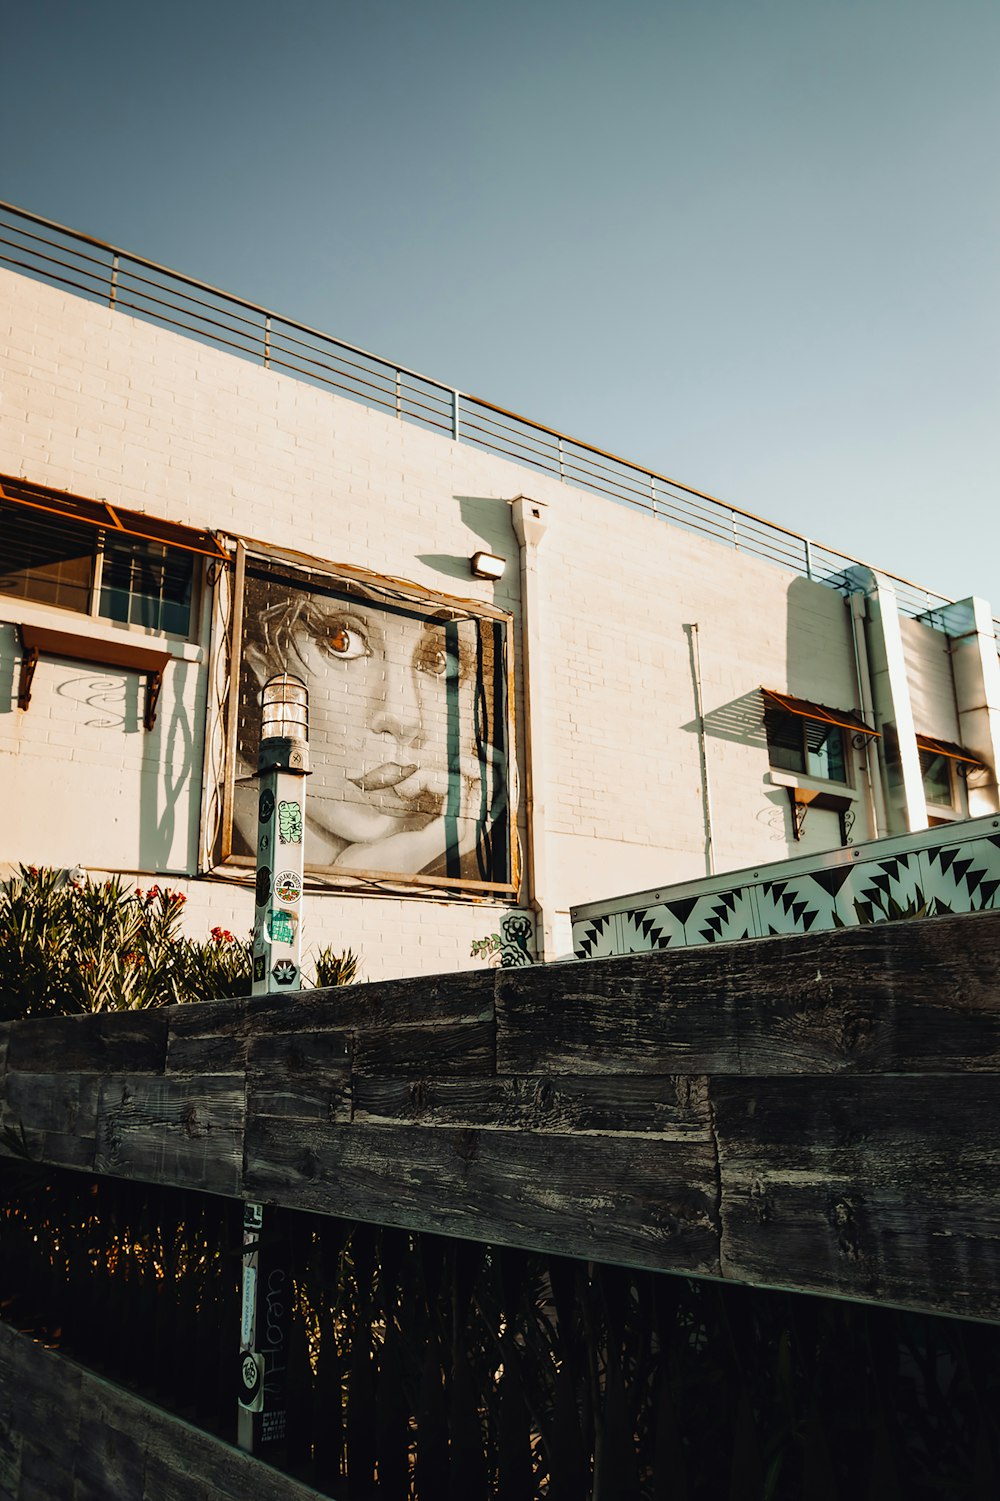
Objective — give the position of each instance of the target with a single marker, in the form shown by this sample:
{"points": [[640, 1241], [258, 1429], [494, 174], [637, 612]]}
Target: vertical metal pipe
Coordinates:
{"points": [[267, 342], [529, 522], [809, 558], [700, 714], [113, 287], [455, 426], [399, 404]]}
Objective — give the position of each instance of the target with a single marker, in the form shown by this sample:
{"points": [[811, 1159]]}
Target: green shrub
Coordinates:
{"points": [[68, 947]]}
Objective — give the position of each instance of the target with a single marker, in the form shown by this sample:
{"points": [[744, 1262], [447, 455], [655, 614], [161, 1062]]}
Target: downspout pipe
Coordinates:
{"points": [[693, 636], [529, 522], [877, 822]]}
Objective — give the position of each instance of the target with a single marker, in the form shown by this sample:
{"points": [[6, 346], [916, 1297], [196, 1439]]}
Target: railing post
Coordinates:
{"points": [[267, 342], [809, 558], [562, 470], [736, 535], [399, 404], [113, 288], [455, 430]]}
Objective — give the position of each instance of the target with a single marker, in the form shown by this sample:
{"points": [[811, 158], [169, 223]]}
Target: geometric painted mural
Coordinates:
{"points": [[928, 874]]}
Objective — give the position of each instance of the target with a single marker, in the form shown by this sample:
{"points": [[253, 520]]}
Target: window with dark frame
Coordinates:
{"points": [[74, 565], [808, 746]]}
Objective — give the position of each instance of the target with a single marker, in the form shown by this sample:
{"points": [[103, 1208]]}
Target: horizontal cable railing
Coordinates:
{"points": [[129, 283]]}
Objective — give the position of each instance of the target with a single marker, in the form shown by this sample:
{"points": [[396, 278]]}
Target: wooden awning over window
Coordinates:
{"points": [[804, 709], [946, 748], [99, 513]]}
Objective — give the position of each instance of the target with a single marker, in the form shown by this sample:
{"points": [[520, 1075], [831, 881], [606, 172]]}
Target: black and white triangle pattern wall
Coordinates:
{"points": [[958, 876]]}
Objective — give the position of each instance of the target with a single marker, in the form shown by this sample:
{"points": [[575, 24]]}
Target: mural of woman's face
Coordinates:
{"points": [[407, 735], [391, 711]]}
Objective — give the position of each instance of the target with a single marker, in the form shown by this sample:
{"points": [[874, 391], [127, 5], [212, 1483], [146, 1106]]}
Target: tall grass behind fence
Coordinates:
{"points": [[425, 1367]]}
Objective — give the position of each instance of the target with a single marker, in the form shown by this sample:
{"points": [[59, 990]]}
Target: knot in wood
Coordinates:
{"points": [[841, 1217], [545, 1092], [855, 1029], [760, 1201]]}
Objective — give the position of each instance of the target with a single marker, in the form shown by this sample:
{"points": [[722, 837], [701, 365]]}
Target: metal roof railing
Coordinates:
{"points": [[131, 284]]}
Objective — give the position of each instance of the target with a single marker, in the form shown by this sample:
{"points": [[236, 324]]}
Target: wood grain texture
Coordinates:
{"points": [[815, 1112], [50, 1117], [123, 1041], [876, 1188], [68, 1435], [432, 1000], [642, 1014], [305, 1075], [627, 1199], [462, 1047], [894, 997], [180, 1130], [673, 1108]]}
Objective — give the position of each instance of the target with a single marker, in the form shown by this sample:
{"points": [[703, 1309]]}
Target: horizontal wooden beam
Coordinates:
{"points": [[65, 1432], [819, 1113]]}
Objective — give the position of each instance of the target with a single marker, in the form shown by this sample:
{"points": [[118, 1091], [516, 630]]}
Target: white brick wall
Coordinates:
{"points": [[104, 405]]}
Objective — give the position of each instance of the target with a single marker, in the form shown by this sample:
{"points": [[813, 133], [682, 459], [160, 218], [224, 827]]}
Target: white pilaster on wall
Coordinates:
{"points": [[976, 673], [529, 522], [903, 788]]}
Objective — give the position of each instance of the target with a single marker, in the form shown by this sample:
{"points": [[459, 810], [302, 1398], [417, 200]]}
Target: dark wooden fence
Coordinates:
{"points": [[422, 1366], [502, 1164]]}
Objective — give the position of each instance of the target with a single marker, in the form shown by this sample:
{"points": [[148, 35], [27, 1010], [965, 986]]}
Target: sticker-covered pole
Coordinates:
{"points": [[282, 767]]}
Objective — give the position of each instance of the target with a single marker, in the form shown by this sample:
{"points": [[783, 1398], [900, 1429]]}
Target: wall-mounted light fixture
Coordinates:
{"points": [[486, 565]]}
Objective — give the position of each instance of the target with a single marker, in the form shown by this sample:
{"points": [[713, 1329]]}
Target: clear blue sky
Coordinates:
{"points": [[751, 244]]}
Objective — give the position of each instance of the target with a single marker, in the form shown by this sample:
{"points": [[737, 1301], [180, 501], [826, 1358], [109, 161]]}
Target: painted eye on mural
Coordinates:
{"points": [[433, 657], [344, 640]]}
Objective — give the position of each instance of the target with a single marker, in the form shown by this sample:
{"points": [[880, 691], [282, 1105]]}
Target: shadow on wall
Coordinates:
{"points": [[801, 650], [169, 798], [741, 720], [489, 519], [108, 700]]}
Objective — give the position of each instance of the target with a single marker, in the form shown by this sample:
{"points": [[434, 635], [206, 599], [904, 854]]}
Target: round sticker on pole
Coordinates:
{"points": [[251, 1381], [288, 886]]}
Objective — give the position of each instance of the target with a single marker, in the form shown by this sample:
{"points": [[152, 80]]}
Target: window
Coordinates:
{"points": [[944, 768], [795, 743], [809, 738], [936, 773], [84, 555]]}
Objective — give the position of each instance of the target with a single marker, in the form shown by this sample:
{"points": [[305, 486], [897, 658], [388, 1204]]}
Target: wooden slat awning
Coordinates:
{"points": [[100, 513], [805, 709], [946, 748]]}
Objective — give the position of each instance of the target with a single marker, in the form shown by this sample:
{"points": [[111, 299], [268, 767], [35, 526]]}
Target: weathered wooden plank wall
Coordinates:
{"points": [[68, 1435], [819, 1113]]}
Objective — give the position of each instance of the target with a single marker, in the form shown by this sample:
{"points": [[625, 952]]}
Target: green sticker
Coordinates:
{"points": [[290, 823], [282, 927]]}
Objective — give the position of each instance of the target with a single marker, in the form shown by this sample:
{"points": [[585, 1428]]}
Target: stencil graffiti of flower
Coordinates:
{"points": [[284, 972]]}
